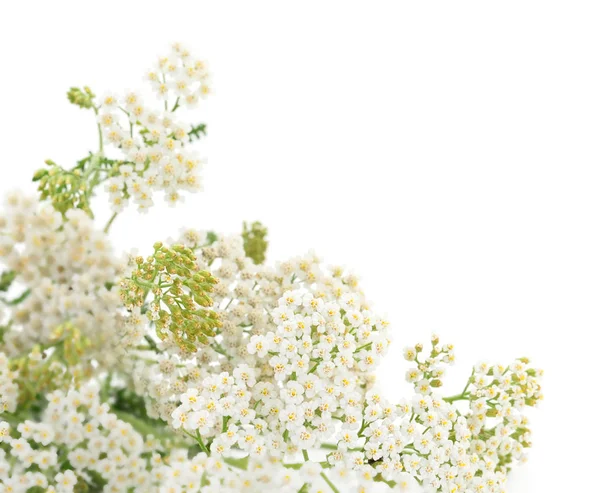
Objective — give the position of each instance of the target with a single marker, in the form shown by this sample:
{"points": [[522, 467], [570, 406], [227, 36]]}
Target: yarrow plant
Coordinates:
{"points": [[198, 367]]}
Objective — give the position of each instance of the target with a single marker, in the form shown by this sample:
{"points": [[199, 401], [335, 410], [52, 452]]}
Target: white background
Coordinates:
{"points": [[447, 151]]}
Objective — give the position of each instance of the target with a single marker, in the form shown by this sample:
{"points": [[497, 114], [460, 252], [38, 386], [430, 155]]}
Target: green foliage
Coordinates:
{"points": [[96, 483], [66, 189], [6, 279], [197, 131], [211, 237], [3, 330], [73, 189]]}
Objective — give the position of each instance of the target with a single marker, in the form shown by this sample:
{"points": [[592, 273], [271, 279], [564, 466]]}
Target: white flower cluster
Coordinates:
{"points": [[244, 297], [9, 391], [74, 426], [428, 441], [315, 379], [152, 141], [468, 448], [199, 368], [291, 371], [173, 372], [76, 439], [316, 356], [64, 268]]}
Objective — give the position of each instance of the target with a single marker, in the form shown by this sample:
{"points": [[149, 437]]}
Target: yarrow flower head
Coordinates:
{"points": [[60, 270], [201, 367], [143, 147]]}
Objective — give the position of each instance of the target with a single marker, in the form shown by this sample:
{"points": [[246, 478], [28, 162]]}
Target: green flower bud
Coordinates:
{"points": [[39, 174], [180, 293], [82, 98], [255, 244]]}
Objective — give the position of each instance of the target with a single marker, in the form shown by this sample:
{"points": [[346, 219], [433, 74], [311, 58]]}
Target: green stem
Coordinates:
{"points": [[201, 443], [18, 299], [469, 381], [368, 345], [363, 427], [198, 439], [331, 485], [106, 387], [219, 349], [298, 465], [110, 221], [458, 397], [164, 79], [151, 343], [379, 479], [144, 284], [464, 395], [100, 137], [329, 446]]}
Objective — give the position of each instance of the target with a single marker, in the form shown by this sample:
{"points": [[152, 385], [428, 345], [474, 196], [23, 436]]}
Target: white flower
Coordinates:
{"points": [[180, 416], [65, 481], [4, 431], [200, 421], [258, 345]]}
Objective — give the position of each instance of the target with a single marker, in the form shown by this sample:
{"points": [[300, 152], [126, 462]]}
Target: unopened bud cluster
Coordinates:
{"points": [[65, 189], [55, 365], [255, 243], [81, 97], [181, 295], [430, 370]]}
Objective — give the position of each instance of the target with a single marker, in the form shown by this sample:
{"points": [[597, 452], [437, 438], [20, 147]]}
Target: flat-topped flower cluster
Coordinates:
{"points": [[200, 368]]}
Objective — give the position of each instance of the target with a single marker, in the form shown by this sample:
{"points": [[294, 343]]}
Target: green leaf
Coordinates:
{"points": [[18, 299], [197, 131], [6, 279], [211, 237]]}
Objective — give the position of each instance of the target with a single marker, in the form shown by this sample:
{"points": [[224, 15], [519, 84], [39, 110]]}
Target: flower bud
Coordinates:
{"points": [[39, 174], [82, 98]]}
